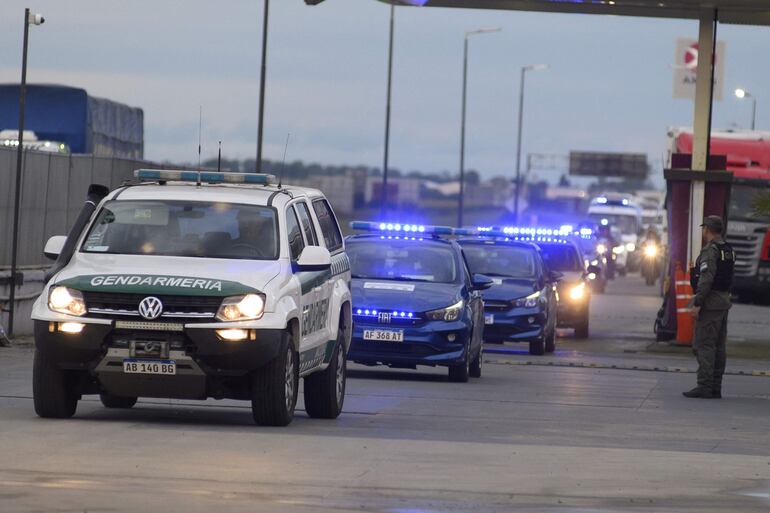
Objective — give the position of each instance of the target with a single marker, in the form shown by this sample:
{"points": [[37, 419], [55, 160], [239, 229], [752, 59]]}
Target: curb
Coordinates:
{"points": [[641, 368]]}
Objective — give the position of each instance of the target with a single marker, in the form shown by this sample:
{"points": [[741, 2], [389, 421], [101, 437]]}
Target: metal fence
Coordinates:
{"points": [[53, 189]]}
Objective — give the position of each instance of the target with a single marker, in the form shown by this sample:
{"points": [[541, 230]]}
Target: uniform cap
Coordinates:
{"points": [[714, 223]]}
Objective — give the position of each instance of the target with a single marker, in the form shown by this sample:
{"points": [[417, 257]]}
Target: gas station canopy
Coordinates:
{"points": [[745, 12]]}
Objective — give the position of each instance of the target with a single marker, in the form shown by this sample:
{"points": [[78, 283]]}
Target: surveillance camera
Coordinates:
{"points": [[36, 19]]}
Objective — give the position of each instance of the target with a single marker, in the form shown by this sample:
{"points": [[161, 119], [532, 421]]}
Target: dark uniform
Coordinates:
{"points": [[712, 279]]}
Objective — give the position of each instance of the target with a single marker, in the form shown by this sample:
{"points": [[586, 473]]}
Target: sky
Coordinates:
{"points": [[608, 86]]}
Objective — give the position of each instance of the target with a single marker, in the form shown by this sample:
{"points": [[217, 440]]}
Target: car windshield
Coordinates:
{"points": [[561, 257], [627, 224], [402, 260], [500, 260], [180, 228], [742, 199]]}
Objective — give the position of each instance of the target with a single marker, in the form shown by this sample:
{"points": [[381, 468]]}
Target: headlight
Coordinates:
{"points": [[450, 313], [650, 250], [630, 247], [529, 301], [618, 250], [594, 262], [67, 301], [601, 249], [242, 308], [577, 292]]}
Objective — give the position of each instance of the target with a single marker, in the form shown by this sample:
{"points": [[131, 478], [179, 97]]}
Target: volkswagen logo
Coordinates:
{"points": [[384, 318], [150, 308]]}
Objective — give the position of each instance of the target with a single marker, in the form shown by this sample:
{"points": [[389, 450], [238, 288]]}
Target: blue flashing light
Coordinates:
{"points": [[396, 314], [601, 200], [625, 202], [605, 222], [213, 177], [404, 228]]}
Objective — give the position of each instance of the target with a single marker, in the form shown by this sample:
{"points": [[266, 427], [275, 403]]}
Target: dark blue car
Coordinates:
{"points": [[415, 303], [522, 303]]}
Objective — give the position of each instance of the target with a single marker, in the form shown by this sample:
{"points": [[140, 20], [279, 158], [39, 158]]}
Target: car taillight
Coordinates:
{"points": [[765, 254]]}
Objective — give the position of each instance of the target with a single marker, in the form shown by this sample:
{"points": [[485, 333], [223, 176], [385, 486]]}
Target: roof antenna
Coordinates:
{"points": [[200, 131], [283, 163], [219, 158]]}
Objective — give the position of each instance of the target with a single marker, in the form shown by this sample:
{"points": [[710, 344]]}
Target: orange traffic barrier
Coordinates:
{"points": [[684, 294]]}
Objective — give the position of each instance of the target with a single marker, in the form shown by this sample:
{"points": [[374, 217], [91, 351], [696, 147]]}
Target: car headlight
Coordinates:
{"points": [[529, 301], [650, 250], [67, 301], [450, 313], [618, 250], [577, 292], [241, 308], [630, 247], [601, 249], [595, 262]]}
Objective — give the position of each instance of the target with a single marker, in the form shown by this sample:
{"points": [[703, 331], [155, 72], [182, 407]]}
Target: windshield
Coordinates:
{"points": [[402, 260], [742, 198], [561, 257], [627, 224], [180, 228], [500, 260]]}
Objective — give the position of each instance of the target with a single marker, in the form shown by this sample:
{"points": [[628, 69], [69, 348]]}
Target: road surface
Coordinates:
{"points": [[530, 438]]}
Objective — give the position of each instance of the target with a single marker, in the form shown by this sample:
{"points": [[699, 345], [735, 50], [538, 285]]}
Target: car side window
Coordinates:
{"points": [[307, 224], [329, 226], [293, 231]]}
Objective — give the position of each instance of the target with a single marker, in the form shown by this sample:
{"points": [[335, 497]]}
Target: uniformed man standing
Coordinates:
{"points": [[712, 279]]}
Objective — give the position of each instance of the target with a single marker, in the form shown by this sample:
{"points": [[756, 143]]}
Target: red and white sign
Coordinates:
{"points": [[686, 68]]}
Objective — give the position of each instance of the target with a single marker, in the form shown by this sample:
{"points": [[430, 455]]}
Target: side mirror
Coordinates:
{"points": [[54, 246], [482, 282], [314, 258], [555, 276]]}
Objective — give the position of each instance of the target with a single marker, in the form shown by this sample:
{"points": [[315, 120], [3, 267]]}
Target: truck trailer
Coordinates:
{"points": [[84, 123]]}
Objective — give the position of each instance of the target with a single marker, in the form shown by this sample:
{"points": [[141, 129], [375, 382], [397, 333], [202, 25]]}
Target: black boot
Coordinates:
{"points": [[699, 393]]}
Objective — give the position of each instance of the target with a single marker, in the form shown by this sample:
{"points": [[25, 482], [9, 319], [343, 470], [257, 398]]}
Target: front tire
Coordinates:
{"points": [[274, 387], [537, 347], [550, 342], [53, 390], [460, 373], [325, 391], [476, 365], [114, 401]]}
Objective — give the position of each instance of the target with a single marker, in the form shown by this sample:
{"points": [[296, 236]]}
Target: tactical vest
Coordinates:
{"points": [[723, 280]]}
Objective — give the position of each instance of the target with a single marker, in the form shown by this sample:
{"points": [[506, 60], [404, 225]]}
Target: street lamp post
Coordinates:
{"points": [[29, 19], [262, 78], [741, 94], [531, 67], [384, 192], [468, 34]]}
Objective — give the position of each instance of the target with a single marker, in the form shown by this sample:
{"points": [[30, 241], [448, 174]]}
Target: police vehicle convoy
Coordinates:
{"points": [[619, 212], [564, 256], [194, 285], [415, 300], [522, 303]]}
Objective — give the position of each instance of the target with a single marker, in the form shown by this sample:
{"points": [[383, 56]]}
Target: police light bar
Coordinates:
{"points": [[401, 228], [170, 175], [562, 231]]}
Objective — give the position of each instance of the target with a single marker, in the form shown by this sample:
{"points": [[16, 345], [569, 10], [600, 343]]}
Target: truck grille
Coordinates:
{"points": [[178, 308], [747, 248]]}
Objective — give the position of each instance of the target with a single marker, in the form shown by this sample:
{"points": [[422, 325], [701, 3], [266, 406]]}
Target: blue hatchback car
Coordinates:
{"points": [[522, 304], [415, 303]]}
